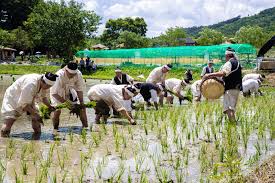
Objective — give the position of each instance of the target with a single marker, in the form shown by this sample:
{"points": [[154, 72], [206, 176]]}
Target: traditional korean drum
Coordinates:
{"points": [[212, 88]]}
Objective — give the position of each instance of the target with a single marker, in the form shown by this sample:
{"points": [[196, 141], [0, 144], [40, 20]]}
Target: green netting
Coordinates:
{"points": [[215, 51]]}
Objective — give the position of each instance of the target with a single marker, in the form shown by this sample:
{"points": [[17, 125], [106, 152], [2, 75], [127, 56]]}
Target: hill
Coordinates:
{"points": [[264, 19]]}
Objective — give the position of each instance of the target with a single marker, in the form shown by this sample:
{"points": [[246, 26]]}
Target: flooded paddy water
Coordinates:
{"points": [[189, 143]]}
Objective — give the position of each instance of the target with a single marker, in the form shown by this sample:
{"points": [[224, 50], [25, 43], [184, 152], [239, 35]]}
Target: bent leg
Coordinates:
{"points": [[83, 118], [6, 127], [36, 126], [55, 119]]}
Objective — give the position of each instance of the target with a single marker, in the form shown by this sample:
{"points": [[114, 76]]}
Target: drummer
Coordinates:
{"points": [[208, 69], [231, 73]]}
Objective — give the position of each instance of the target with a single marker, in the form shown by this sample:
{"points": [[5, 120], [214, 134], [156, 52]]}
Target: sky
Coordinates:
{"points": [[162, 14]]}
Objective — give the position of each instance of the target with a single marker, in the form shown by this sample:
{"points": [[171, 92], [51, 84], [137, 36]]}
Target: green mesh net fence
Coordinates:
{"points": [[182, 56]]}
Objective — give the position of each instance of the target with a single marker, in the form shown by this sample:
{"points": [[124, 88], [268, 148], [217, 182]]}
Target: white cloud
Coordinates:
{"points": [[162, 14]]}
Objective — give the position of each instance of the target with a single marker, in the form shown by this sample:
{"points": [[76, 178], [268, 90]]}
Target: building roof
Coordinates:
{"points": [[189, 40], [6, 48], [100, 46]]}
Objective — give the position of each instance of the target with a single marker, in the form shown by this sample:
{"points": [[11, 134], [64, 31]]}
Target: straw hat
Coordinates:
{"points": [[212, 88]]}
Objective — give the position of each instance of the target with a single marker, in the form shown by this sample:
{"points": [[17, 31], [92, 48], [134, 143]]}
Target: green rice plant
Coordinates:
{"points": [[164, 144], [139, 162], [71, 136], [63, 179], [129, 177], [61, 161], [24, 167], [2, 171], [104, 128], [84, 136], [114, 130], [164, 176], [143, 177], [130, 131], [124, 141], [144, 144], [17, 178], [24, 151], [258, 148], [145, 128], [99, 169], [117, 142], [179, 176], [54, 178], [95, 139], [121, 170]]}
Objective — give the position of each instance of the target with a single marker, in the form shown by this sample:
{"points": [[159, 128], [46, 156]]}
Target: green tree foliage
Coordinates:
{"points": [[21, 40], [210, 37], [251, 34], [174, 36], [114, 27], [14, 12], [6, 38], [132, 40], [60, 28]]}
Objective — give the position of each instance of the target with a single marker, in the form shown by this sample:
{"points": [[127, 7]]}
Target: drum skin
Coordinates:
{"points": [[212, 88]]}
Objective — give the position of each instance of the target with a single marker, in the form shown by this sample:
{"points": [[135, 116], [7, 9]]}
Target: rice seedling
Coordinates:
{"points": [[54, 178], [130, 131], [61, 160], [84, 136], [95, 139], [17, 178], [129, 178], [24, 167], [144, 144], [2, 171], [143, 177], [121, 170], [71, 136], [63, 179], [139, 162], [117, 142]]}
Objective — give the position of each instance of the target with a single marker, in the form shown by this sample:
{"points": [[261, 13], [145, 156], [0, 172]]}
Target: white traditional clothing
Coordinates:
{"points": [[195, 88], [65, 85], [207, 70], [110, 94], [25, 90], [252, 76], [251, 85], [156, 76], [175, 85], [128, 78]]}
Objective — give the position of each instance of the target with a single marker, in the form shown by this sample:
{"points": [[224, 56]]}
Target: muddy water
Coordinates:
{"points": [[101, 154]]}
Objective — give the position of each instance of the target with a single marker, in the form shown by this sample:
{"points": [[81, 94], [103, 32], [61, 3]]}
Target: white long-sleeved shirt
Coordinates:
{"points": [[251, 85], [156, 76], [25, 90], [195, 88], [64, 84], [110, 94], [252, 76], [175, 85]]}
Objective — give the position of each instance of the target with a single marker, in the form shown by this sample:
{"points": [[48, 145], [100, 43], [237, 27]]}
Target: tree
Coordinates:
{"points": [[210, 37], [60, 28], [172, 37], [6, 38], [114, 27], [14, 12], [132, 40], [251, 34], [21, 40]]}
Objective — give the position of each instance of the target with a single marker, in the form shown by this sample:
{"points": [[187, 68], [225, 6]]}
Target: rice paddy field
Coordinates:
{"points": [[193, 142]]}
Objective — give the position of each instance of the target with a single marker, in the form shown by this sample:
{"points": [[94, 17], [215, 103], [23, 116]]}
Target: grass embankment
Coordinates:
{"points": [[103, 72]]}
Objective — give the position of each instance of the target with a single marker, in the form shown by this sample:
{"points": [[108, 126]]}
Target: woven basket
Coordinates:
{"points": [[212, 88]]}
